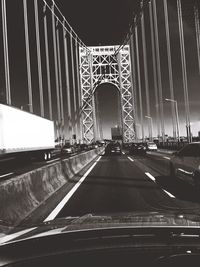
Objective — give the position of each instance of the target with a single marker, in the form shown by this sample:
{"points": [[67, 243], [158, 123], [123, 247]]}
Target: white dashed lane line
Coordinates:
{"points": [[131, 159], [154, 180], [166, 158], [169, 194], [7, 174], [150, 176]]}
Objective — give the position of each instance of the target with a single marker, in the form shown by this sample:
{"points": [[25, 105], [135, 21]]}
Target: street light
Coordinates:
{"points": [[177, 117], [150, 131]]}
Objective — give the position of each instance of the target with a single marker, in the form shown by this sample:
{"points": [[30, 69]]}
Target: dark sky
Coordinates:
{"points": [[99, 22]]}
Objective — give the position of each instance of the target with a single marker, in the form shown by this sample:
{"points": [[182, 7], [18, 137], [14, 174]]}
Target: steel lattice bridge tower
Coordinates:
{"points": [[103, 65]]}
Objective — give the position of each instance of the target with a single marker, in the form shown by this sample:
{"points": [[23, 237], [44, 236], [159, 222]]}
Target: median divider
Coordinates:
{"points": [[21, 195]]}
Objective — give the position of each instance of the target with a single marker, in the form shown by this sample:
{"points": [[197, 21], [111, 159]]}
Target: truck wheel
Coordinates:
{"points": [[49, 155], [45, 156]]}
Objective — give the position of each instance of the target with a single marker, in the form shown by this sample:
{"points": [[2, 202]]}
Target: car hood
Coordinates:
{"points": [[100, 222]]}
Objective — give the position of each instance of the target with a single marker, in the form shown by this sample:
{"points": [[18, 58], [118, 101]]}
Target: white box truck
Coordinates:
{"points": [[23, 133]]}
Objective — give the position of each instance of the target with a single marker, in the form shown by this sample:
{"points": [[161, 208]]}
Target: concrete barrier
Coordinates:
{"points": [[21, 195]]}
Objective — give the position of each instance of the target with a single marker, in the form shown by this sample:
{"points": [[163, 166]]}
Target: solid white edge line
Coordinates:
{"points": [[150, 176], [169, 194], [7, 174], [53, 160], [130, 159], [63, 202], [166, 158], [15, 235]]}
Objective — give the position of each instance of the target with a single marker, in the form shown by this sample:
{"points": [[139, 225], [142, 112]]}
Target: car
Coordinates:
{"points": [[127, 145], [100, 143], [154, 239], [84, 147], [137, 148], [68, 149], [113, 149], [151, 146], [185, 164]]}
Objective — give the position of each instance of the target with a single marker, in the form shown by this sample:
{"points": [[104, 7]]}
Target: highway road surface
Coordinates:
{"points": [[117, 184]]}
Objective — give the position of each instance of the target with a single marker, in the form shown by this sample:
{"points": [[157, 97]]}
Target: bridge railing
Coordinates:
{"points": [[172, 145]]}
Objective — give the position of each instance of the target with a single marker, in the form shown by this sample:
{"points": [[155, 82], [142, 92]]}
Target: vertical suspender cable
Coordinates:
{"points": [[184, 70], [79, 89], [60, 80], [171, 84], [124, 126], [73, 86], [37, 31], [47, 63], [154, 69], [56, 65], [134, 85], [197, 27], [159, 70], [139, 82], [97, 116], [146, 73], [67, 82], [93, 99], [28, 63], [6, 56]]}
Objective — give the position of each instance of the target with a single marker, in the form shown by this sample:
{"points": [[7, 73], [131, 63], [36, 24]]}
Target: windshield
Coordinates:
{"points": [[99, 115]]}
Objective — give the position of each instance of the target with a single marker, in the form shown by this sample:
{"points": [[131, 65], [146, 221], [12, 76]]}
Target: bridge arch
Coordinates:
{"points": [[108, 109]]}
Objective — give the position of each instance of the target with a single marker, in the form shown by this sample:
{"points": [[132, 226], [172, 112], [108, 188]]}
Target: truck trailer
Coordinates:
{"points": [[25, 134]]}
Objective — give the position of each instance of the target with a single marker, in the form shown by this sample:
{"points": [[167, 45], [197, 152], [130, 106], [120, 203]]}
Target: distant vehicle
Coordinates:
{"points": [[100, 143], [25, 135], [151, 146], [185, 164], [68, 149], [84, 147], [127, 145], [138, 149], [113, 149]]}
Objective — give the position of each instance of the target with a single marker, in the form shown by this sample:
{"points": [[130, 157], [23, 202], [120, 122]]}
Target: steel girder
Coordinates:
{"points": [[99, 66]]}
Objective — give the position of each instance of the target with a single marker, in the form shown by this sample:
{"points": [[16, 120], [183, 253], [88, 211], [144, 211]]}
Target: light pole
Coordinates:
{"points": [[29, 105], [177, 116], [151, 131]]}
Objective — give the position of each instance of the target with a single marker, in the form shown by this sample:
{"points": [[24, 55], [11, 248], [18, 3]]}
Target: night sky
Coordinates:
{"points": [[105, 22]]}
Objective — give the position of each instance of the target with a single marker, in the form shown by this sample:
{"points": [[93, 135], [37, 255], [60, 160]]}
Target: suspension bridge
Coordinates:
{"points": [[49, 79]]}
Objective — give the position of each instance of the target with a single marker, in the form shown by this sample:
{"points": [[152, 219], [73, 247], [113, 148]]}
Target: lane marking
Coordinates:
{"points": [[15, 235], [6, 159], [63, 202], [150, 176], [154, 180], [131, 159], [53, 160], [169, 194], [186, 172], [166, 158], [7, 174], [123, 153]]}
